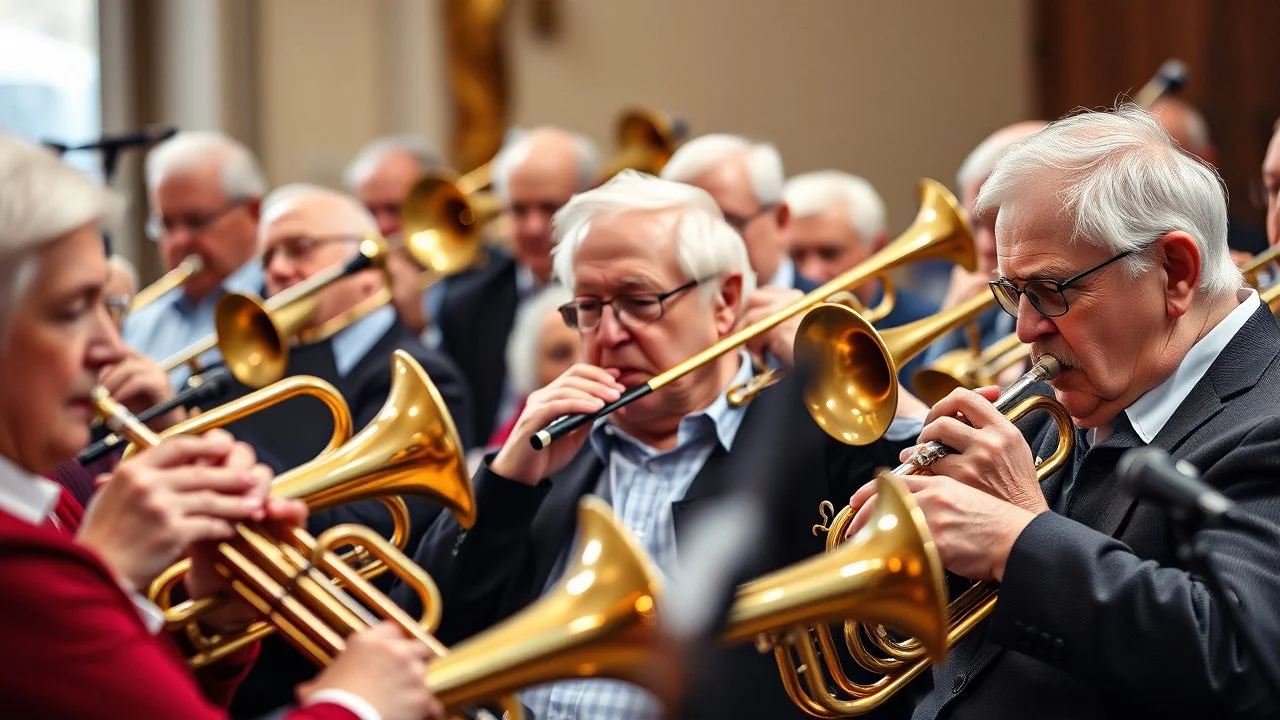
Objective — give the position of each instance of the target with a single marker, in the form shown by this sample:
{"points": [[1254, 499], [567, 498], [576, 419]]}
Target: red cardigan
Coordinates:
{"points": [[74, 646]]}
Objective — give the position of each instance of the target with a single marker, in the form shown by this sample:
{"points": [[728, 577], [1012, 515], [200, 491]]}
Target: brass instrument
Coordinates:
{"points": [[1271, 296], [966, 368], [411, 447], [900, 661], [600, 620], [940, 231], [1170, 78], [889, 572], [298, 582], [189, 266], [1252, 271], [646, 141]]}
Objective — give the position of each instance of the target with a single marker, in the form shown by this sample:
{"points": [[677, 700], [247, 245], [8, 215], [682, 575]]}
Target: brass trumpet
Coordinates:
{"points": [[888, 573], [900, 661], [966, 368], [189, 266], [940, 231], [411, 447]]}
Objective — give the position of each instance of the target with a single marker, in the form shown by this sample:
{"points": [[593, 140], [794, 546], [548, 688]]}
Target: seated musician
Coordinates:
{"points": [[204, 189], [656, 275], [305, 230], [837, 221], [1112, 256], [994, 324], [80, 640]]}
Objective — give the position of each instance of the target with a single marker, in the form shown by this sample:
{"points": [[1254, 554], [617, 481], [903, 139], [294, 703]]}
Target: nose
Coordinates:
{"points": [[1032, 325], [105, 346], [611, 332]]}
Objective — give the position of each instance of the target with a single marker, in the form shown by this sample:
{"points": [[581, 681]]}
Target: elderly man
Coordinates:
{"points": [[1113, 259], [746, 179], [837, 221], [305, 230], [656, 276], [121, 285], [204, 189], [1188, 128], [534, 175], [975, 169]]}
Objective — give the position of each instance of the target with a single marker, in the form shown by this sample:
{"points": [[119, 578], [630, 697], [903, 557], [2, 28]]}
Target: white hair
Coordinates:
{"points": [[522, 345], [356, 218], [706, 153], [123, 264], [519, 144], [980, 161], [1124, 183], [366, 161], [814, 193], [240, 173], [41, 200], [706, 245]]}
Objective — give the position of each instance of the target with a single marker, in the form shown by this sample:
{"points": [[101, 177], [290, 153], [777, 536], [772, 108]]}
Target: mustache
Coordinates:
{"points": [[1062, 355]]}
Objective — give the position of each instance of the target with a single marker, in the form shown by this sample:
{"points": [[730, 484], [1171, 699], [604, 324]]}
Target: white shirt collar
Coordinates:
{"points": [[785, 275], [26, 496], [1151, 412]]}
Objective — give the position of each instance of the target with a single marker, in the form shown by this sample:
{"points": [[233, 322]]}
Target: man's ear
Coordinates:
{"points": [[1180, 260], [728, 303]]}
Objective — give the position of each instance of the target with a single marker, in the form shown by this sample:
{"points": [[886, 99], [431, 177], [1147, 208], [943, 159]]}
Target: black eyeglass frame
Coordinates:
{"points": [[571, 310], [1009, 296]]}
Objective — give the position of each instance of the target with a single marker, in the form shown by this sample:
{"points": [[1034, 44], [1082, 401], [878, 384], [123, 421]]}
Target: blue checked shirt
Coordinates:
{"points": [[173, 322], [642, 484]]}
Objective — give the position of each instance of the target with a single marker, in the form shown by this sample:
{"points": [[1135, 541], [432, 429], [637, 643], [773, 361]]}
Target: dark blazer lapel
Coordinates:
{"points": [[556, 522]]}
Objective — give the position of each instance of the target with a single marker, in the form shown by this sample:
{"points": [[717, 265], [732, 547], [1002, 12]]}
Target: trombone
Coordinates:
{"points": [[646, 140], [940, 231], [900, 661], [967, 368], [189, 266]]}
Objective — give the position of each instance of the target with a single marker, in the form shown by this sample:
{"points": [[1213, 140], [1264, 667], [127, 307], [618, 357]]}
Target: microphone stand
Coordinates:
{"points": [[1193, 551]]}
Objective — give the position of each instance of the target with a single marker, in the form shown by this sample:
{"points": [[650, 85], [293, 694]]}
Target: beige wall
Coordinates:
{"points": [[891, 89]]}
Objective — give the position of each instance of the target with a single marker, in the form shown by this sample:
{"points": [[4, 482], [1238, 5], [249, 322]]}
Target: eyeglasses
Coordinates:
{"points": [[632, 309], [195, 223], [740, 222], [117, 305], [1048, 297], [299, 248]]}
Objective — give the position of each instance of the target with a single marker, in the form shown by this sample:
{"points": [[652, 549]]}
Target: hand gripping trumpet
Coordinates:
{"points": [[872, 646]]}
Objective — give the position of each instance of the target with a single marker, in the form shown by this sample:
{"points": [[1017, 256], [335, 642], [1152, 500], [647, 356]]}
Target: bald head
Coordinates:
{"points": [[975, 170], [534, 175], [306, 229], [1185, 125]]}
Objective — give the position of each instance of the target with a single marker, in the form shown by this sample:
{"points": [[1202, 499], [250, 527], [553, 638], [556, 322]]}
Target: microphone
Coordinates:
{"points": [[1149, 472], [148, 135]]}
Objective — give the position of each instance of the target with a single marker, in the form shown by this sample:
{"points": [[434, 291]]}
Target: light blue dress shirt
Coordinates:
{"points": [[355, 341]]}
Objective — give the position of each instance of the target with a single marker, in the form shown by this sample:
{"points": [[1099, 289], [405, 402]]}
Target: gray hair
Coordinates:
{"points": [[241, 175], [124, 265], [372, 155], [702, 154], [356, 218], [1124, 184], [41, 199], [706, 245], [519, 143], [522, 345], [816, 192]]}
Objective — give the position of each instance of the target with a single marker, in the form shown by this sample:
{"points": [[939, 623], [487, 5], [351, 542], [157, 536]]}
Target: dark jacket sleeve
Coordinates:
{"points": [[476, 568], [1084, 602]]}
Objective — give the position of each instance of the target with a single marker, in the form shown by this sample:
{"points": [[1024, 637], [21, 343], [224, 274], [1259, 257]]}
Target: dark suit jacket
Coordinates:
{"points": [[476, 316], [76, 648], [503, 563], [1097, 616]]}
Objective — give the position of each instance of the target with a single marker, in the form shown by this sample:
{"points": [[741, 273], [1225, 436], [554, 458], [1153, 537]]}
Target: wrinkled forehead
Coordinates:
{"points": [[314, 216], [635, 246], [1034, 235]]}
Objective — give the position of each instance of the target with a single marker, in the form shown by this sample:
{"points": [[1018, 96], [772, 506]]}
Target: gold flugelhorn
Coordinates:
{"points": [[190, 265], [411, 447], [888, 573], [646, 140], [600, 620], [900, 661], [964, 367], [299, 583], [940, 231]]}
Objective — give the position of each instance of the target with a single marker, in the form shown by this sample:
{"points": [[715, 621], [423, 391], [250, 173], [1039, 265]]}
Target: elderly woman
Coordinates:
{"points": [[80, 640], [540, 349]]}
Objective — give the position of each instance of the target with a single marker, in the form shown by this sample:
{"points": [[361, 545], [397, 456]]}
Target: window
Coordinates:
{"points": [[49, 74]]}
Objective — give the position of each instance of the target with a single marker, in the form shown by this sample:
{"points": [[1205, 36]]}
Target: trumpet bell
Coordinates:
{"points": [[442, 225], [853, 395], [254, 348], [933, 383], [646, 140], [599, 621]]}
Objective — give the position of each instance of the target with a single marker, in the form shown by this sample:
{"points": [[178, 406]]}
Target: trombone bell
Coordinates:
{"points": [[442, 224]]}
